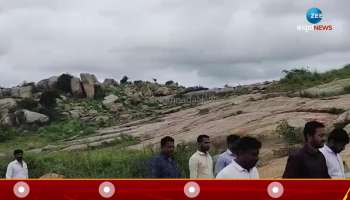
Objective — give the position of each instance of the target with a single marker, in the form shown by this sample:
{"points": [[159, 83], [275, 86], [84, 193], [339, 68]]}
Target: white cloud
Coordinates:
{"points": [[197, 42]]}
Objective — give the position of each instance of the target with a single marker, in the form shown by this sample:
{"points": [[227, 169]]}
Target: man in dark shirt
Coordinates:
{"points": [[163, 165], [309, 162]]}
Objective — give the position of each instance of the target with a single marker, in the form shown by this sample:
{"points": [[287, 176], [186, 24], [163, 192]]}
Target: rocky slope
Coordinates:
{"points": [[180, 112]]}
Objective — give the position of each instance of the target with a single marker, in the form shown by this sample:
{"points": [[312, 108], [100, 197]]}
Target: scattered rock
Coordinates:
{"points": [[75, 114], [77, 89], [22, 92], [109, 82], [135, 98], [92, 112], [344, 118], [5, 92], [296, 123], [7, 104], [162, 91], [110, 102], [110, 99], [125, 116], [8, 120], [29, 117]]}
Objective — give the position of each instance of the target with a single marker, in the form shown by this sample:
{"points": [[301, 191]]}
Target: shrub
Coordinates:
{"points": [[6, 133], [124, 80], [169, 83], [347, 89], [290, 134], [64, 83]]}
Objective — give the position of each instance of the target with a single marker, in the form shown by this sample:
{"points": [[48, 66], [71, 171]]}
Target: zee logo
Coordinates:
{"points": [[314, 15]]}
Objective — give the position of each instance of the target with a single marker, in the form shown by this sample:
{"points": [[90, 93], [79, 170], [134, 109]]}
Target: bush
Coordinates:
{"points": [[124, 80], [290, 134], [64, 83], [6, 133], [347, 89], [169, 83], [48, 98], [91, 104], [298, 79]]}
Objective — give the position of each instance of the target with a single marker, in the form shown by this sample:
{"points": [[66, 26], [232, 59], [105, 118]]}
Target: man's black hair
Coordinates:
{"points": [[310, 128], [339, 135], [232, 139], [201, 137], [166, 139], [248, 143], [17, 151]]}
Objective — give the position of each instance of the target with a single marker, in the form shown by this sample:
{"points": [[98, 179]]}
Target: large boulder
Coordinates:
{"points": [[77, 88], [47, 84], [29, 117], [8, 120], [22, 92], [110, 102], [109, 82], [7, 106], [5, 92], [89, 81], [162, 91], [110, 99]]}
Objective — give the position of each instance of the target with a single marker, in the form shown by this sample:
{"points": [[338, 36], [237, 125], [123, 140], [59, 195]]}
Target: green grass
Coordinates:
{"points": [[66, 128], [23, 141], [110, 162], [302, 78], [92, 104]]}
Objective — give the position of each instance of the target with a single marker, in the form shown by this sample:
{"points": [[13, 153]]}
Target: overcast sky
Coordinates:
{"points": [[193, 42]]}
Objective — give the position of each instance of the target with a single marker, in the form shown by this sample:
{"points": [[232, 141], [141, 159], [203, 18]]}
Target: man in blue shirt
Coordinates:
{"points": [[230, 154], [163, 165]]}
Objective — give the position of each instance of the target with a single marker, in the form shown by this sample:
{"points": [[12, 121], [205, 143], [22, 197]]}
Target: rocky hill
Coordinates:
{"points": [[144, 112]]}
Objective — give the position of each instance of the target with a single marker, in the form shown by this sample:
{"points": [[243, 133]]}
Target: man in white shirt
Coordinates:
{"points": [[337, 140], [17, 168], [230, 154], [201, 163], [243, 167]]}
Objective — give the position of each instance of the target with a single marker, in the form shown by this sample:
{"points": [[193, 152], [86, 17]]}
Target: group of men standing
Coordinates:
{"points": [[238, 161], [316, 159]]}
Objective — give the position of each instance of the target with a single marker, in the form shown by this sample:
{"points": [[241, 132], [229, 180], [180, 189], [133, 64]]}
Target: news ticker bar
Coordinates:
{"points": [[174, 189]]}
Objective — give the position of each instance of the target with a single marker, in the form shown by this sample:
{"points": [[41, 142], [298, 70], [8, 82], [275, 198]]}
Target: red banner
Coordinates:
{"points": [[174, 189]]}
